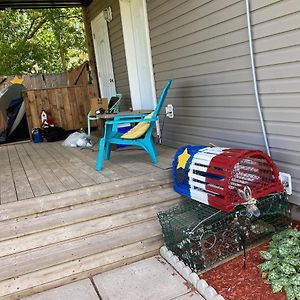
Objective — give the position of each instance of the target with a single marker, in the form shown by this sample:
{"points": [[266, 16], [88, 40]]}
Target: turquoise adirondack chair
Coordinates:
{"points": [[112, 136]]}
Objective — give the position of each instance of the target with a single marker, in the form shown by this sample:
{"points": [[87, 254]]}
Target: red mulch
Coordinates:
{"points": [[234, 283]]}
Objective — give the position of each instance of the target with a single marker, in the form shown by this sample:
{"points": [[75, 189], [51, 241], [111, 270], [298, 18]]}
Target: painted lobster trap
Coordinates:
{"points": [[214, 175], [201, 235]]}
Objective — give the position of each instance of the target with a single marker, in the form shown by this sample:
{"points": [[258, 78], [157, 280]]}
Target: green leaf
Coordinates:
{"points": [[289, 290], [276, 286], [297, 291], [266, 266], [292, 241], [266, 255], [273, 275], [284, 250], [287, 268], [295, 279], [293, 233], [284, 281], [292, 261], [296, 250]]}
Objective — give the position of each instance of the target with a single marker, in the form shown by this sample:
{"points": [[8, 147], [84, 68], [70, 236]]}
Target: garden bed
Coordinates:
{"points": [[234, 283]]}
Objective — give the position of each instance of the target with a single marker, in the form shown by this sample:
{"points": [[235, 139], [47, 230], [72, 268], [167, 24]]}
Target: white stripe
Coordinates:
{"points": [[194, 166], [197, 184], [197, 177], [201, 162], [199, 196]]}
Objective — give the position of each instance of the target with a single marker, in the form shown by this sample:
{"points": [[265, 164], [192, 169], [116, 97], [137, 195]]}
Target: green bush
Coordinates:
{"points": [[282, 263]]}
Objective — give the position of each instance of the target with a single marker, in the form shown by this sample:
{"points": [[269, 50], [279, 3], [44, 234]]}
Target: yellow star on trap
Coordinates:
{"points": [[182, 159]]}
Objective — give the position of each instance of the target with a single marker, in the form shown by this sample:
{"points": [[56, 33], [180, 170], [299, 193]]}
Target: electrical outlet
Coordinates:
{"points": [[170, 111], [286, 181]]}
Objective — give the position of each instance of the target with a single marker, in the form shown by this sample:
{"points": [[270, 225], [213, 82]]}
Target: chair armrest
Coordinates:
{"points": [[142, 115], [112, 126], [132, 120]]}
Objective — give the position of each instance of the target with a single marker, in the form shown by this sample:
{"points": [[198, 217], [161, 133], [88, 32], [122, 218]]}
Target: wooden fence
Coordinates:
{"points": [[40, 81], [76, 76], [64, 96], [68, 106]]}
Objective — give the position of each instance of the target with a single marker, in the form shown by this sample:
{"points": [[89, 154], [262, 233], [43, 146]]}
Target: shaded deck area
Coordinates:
{"points": [[32, 170]]}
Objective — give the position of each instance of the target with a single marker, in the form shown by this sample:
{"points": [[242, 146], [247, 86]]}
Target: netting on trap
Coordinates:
{"points": [[201, 235]]}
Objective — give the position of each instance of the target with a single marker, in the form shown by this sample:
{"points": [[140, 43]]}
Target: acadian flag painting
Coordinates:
{"points": [[213, 175]]}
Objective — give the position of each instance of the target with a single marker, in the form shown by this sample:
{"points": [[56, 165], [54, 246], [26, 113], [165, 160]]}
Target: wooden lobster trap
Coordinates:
{"points": [[214, 175]]}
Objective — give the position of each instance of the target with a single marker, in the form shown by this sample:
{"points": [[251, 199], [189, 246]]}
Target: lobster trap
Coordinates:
{"points": [[213, 175], [201, 235]]}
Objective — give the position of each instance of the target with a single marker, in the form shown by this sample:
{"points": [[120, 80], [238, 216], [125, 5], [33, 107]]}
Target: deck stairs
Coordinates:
{"points": [[56, 239]]}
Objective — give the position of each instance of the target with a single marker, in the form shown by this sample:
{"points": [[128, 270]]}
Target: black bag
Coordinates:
{"points": [[53, 134]]}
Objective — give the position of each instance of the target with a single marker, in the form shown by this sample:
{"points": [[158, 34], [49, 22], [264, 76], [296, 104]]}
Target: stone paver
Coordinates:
{"points": [[151, 278], [190, 296], [79, 290]]}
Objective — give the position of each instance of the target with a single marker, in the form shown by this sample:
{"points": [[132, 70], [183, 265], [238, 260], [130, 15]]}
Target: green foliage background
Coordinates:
{"points": [[41, 40]]}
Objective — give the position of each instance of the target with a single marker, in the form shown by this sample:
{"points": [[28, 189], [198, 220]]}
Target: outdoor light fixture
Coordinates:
{"points": [[107, 14]]}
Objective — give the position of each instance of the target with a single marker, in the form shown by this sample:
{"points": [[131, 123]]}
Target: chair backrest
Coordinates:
{"points": [[114, 103], [161, 99]]}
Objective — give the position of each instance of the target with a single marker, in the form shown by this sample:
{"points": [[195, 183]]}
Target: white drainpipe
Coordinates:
{"points": [[261, 118]]}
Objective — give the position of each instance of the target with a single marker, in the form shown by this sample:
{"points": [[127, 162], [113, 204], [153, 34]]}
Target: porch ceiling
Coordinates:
{"points": [[28, 4]]}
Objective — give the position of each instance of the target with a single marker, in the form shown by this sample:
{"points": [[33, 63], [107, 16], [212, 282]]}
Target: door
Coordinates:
{"points": [[138, 53], [103, 56]]}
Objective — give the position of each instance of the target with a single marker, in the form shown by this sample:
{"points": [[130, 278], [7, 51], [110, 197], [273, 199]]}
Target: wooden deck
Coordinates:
{"points": [[32, 170], [61, 221]]}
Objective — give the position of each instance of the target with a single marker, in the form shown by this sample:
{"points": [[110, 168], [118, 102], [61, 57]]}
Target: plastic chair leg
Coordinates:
{"points": [[89, 127], [107, 151], [151, 151], [100, 155], [153, 146]]}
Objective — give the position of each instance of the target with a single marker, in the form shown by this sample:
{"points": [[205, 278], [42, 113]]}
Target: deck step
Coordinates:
{"points": [[88, 213], [43, 251], [83, 195]]}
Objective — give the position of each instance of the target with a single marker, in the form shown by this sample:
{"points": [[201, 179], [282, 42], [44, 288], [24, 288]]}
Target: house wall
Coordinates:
{"points": [[116, 44], [203, 46]]}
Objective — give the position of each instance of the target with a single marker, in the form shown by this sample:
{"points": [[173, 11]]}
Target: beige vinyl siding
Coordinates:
{"points": [[276, 32], [203, 46], [117, 47]]}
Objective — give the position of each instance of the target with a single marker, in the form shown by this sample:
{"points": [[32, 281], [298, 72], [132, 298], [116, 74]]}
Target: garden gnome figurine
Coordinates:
{"points": [[43, 117]]}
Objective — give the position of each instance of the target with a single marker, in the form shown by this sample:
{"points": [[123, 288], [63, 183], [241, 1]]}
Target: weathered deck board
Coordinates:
{"points": [[83, 196], [52, 163], [75, 167], [110, 171], [67, 233], [36, 181], [33, 170], [45, 168], [80, 170], [95, 210], [7, 185], [79, 268], [59, 168], [52, 255], [22, 184]]}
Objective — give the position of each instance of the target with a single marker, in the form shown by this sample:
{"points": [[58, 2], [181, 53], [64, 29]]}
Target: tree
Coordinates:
{"points": [[41, 40]]}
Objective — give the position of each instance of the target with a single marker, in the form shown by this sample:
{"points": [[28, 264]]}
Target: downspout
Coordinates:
{"points": [[258, 104]]}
